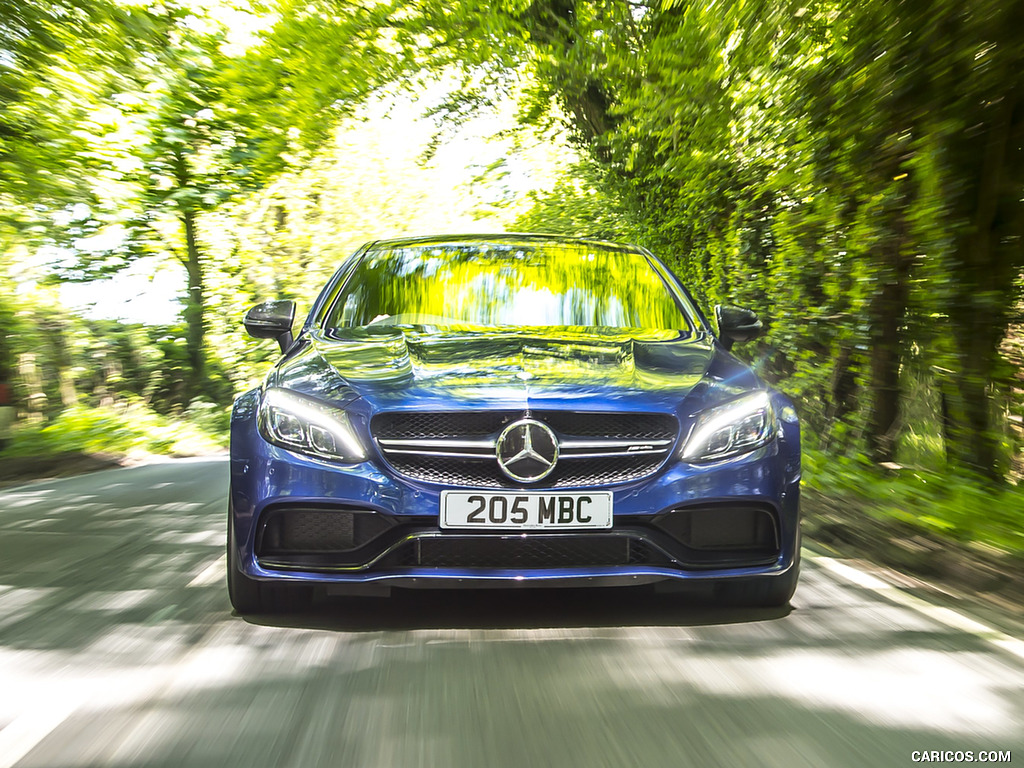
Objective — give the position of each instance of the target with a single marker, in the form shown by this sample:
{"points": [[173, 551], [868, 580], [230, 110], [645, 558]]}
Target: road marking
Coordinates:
{"points": [[28, 729], [945, 616], [214, 573]]}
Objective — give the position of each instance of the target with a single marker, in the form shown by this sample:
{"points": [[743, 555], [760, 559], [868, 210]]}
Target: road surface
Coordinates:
{"points": [[118, 648]]}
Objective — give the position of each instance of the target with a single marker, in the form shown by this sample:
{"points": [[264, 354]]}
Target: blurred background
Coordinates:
{"points": [[851, 170]]}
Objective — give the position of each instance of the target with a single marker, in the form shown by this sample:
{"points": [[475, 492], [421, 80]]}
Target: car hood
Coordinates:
{"points": [[393, 367]]}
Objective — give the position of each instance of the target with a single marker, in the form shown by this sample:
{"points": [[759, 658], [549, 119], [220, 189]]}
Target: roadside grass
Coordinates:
{"points": [[128, 429], [982, 517]]}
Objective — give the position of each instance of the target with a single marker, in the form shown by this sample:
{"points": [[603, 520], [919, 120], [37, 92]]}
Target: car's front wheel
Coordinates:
{"points": [[763, 591], [252, 596]]}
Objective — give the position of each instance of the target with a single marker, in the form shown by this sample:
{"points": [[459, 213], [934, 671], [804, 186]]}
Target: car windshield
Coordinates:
{"points": [[517, 284]]}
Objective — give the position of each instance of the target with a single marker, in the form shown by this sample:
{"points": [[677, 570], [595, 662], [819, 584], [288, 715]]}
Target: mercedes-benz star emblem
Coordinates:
{"points": [[527, 451]]}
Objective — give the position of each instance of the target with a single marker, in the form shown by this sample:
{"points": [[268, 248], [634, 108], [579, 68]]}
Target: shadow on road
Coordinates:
{"points": [[113, 606], [516, 609]]}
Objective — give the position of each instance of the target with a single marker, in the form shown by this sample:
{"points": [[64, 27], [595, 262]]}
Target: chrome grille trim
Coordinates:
{"points": [[570, 444], [600, 449], [612, 454], [443, 443], [486, 449], [459, 448], [448, 447]]}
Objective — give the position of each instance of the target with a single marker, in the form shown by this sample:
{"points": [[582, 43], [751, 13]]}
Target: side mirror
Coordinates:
{"points": [[737, 324], [272, 320]]}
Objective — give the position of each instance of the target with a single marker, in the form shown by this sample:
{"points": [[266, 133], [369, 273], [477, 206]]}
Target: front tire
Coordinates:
{"points": [[763, 591], [252, 596]]}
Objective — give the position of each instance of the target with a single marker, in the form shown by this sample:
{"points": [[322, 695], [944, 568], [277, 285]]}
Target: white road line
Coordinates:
{"points": [[945, 616], [22, 734], [212, 574]]}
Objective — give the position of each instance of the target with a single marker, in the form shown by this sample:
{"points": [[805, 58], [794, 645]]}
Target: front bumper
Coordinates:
{"points": [[411, 550]]}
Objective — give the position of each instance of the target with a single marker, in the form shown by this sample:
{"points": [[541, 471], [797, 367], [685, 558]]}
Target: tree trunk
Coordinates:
{"points": [[887, 316], [195, 301], [842, 397], [986, 264], [970, 441], [195, 308], [56, 333]]}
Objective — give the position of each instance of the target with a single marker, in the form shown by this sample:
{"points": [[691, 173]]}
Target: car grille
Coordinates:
{"points": [[530, 552], [458, 449], [416, 424]]}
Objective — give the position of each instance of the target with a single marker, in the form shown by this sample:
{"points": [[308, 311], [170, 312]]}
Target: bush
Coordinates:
{"points": [[125, 429], [961, 507], [209, 418]]}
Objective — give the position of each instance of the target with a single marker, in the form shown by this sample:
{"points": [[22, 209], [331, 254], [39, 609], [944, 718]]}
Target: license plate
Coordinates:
{"points": [[527, 510]]}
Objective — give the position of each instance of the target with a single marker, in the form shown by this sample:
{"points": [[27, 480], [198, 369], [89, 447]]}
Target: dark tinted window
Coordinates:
{"points": [[502, 284]]}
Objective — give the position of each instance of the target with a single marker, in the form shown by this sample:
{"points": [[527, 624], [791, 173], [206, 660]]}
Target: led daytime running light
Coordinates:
{"points": [[307, 426], [730, 429]]}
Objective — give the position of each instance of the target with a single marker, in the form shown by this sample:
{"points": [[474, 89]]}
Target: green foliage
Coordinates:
{"points": [[851, 170], [54, 360], [130, 429], [45, 46], [579, 205], [957, 507]]}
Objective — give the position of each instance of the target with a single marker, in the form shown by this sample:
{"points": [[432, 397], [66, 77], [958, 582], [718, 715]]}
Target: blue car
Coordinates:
{"points": [[505, 411]]}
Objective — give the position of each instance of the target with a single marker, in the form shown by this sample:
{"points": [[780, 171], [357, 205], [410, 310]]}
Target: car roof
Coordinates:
{"points": [[513, 238]]}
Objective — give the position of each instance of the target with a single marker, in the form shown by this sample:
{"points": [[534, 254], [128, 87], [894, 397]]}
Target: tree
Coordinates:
{"points": [[172, 130], [801, 157]]}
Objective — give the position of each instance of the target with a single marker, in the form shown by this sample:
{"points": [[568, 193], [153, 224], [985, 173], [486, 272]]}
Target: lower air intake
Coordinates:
{"points": [[292, 530], [537, 552], [723, 528]]}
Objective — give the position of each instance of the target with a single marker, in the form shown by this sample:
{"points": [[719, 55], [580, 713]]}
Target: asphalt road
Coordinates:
{"points": [[118, 648]]}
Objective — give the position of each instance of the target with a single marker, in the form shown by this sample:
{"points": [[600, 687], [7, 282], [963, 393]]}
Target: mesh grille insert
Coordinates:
{"points": [[318, 530], [531, 552], [621, 426], [476, 473], [485, 473], [404, 425], [723, 528]]}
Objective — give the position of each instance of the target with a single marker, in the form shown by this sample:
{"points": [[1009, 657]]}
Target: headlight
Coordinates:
{"points": [[736, 427], [307, 426]]}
